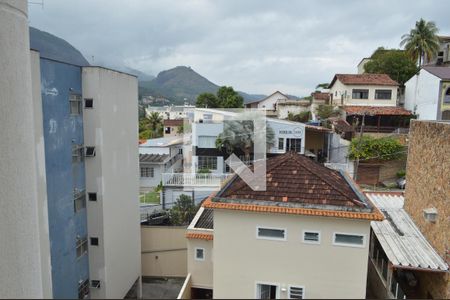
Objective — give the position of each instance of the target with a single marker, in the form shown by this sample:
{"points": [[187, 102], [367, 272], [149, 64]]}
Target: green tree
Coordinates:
{"points": [[368, 147], [207, 100], [183, 210], [322, 86], [302, 117], [154, 120], [421, 41], [226, 97], [395, 63], [325, 111]]}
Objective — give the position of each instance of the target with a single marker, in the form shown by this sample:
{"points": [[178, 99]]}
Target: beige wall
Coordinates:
{"points": [[164, 250], [201, 270], [325, 270], [340, 89], [428, 178], [111, 126]]}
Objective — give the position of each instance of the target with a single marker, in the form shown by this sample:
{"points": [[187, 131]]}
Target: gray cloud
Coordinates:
{"points": [[256, 46]]}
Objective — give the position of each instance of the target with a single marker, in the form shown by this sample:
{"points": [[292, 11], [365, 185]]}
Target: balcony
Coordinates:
{"points": [[194, 179]]}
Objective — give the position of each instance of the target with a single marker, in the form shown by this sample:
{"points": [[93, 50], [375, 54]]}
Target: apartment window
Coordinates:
{"points": [[346, 239], [92, 196], [94, 241], [199, 254], [77, 153], [90, 151], [281, 144], [75, 104], [82, 246], [95, 284], [207, 162], [294, 145], [147, 172], [79, 201], [88, 103], [205, 141], [311, 237], [266, 291], [167, 130], [296, 292], [447, 96], [383, 94], [271, 233], [360, 94], [83, 289]]}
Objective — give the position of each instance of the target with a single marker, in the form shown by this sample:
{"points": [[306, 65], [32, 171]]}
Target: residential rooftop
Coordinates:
{"points": [[403, 243], [441, 72], [297, 185], [364, 79], [162, 142], [376, 110], [153, 158]]}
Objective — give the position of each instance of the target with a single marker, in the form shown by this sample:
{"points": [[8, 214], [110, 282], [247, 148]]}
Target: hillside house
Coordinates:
{"points": [[427, 93], [308, 209]]}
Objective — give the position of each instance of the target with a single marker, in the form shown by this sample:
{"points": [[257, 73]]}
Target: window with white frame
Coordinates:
{"points": [[79, 200], [296, 292], [266, 291], [311, 237], [83, 289], [207, 163], [270, 233], [280, 143], [147, 172], [348, 239], [383, 94], [205, 141], [82, 246], [75, 104], [199, 253]]}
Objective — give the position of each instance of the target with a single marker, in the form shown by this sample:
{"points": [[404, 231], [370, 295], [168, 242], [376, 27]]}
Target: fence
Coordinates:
{"points": [[194, 179]]}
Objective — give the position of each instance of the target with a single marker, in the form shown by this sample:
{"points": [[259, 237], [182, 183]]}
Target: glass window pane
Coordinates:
{"points": [[271, 233], [349, 239], [311, 236]]}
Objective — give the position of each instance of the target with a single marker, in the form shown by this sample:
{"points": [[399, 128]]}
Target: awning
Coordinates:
{"points": [[377, 110], [403, 243]]}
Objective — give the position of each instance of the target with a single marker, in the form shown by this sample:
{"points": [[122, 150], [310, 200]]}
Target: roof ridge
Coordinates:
{"points": [[358, 203]]}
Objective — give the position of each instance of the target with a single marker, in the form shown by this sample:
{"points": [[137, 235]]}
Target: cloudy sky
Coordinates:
{"points": [[255, 46]]}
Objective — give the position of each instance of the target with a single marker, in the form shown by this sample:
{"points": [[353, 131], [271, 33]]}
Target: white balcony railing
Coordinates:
{"points": [[194, 179]]}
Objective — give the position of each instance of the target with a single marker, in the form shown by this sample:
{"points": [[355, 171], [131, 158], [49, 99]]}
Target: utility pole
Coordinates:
{"points": [[361, 130]]}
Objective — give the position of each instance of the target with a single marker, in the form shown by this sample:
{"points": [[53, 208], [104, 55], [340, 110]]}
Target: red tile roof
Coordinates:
{"points": [[364, 79], [321, 96], [175, 122], [201, 236], [377, 110], [297, 185]]}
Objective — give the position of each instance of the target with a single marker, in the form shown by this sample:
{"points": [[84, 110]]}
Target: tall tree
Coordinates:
{"points": [[207, 100], [395, 63], [226, 97], [421, 40], [155, 121]]}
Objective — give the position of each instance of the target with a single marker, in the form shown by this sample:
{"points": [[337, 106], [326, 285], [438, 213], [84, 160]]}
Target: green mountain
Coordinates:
{"points": [[182, 83]]}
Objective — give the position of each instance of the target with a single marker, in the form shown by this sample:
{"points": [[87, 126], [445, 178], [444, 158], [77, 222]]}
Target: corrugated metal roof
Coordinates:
{"points": [[402, 241], [205, 220], [153, 158]]}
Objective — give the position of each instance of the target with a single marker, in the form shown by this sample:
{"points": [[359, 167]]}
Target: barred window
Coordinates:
{"points": [[360, 94], [79, 200], [383, 94], [147, 172], [207, 162]]}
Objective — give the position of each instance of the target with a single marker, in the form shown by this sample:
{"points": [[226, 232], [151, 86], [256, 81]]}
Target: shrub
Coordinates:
{"points": [[367, 147], [401, 173], [183, 211]]}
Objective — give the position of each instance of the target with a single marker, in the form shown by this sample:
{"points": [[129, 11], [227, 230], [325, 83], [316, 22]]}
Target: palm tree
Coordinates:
{"points": [[421, 41], [154, 120]]}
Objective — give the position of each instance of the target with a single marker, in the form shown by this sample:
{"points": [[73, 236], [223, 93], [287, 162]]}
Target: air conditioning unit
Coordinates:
{"points": [[430, 214]]}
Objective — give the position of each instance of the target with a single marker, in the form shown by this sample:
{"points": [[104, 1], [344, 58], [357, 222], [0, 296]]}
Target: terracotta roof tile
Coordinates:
{"points": [[321, 96], [175, 122], [201, 236], [364, 79], [377, 110]]}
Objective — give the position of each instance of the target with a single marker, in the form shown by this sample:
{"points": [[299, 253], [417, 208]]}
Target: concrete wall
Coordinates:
{"points": [[164, 251], [427, 185], [111, 126], [62, 130], [284, 110], [324, 270], [339, 89], [19, 225], [422, 95], [44, 238], [201, 270]]}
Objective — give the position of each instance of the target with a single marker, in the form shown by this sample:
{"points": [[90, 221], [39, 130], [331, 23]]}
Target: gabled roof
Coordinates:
{"points": [[376, 110], [441, 72], [321, 96], [401, 240], [256, 101], [173, 122], [364, 79], [297, 185]]}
